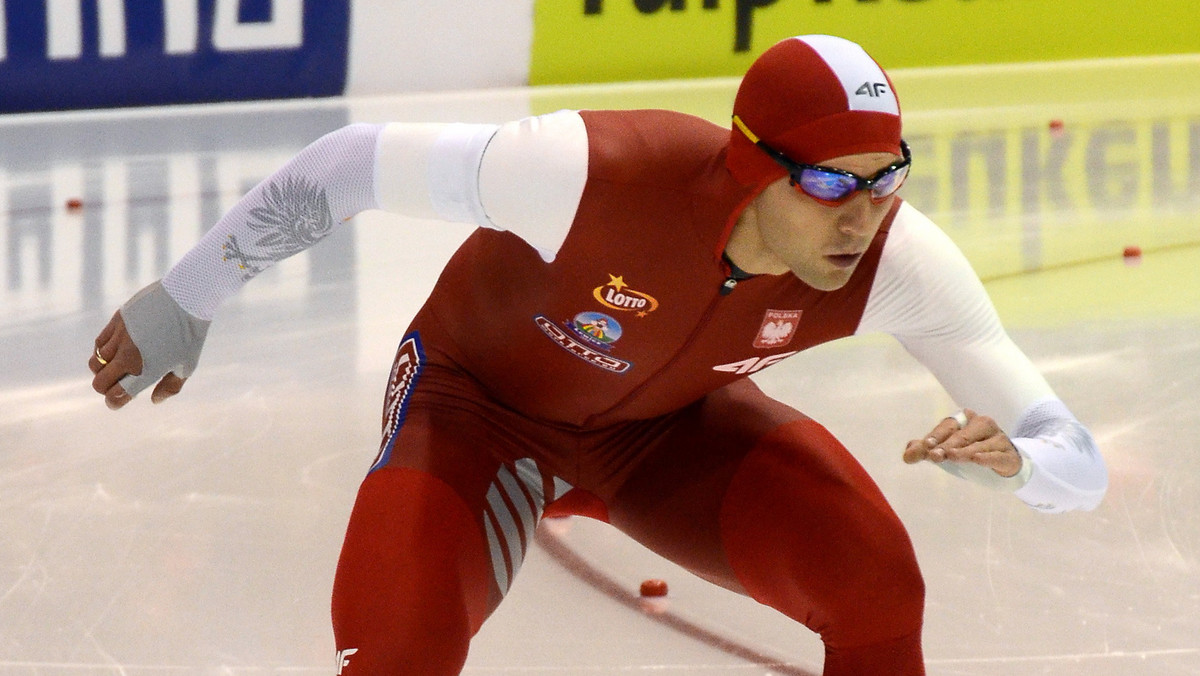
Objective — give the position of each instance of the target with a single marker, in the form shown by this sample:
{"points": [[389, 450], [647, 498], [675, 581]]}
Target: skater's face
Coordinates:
{"points": [[819, 241]]}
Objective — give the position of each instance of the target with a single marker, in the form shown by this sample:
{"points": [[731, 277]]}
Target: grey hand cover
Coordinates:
{"points": [[168, 337]]}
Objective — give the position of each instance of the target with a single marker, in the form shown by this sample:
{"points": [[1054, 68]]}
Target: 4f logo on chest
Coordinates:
{"points": [[753, 364]]}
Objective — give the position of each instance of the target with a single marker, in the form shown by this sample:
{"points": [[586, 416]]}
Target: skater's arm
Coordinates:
{"points": [[156, 337], [1021, 437], [525, 176]]}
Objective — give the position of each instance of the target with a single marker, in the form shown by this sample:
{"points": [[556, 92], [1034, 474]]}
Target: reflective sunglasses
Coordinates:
{"points": [[833, 187]]}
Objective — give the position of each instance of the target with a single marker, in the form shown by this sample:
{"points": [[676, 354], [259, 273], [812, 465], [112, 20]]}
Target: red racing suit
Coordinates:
{"points": [[622, 369]]}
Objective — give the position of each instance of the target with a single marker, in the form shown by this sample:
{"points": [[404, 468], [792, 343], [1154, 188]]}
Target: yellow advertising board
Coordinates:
{"points": [[622, 40]]}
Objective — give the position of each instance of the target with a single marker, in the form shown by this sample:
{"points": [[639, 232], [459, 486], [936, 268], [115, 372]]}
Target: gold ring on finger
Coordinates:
{"points": [[102, 360]]}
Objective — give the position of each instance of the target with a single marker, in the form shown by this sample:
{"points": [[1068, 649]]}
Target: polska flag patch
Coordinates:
{"points": [[778, 328]]}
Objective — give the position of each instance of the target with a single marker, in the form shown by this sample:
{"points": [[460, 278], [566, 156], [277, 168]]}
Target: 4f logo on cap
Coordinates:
{"points": [[872, 89]]}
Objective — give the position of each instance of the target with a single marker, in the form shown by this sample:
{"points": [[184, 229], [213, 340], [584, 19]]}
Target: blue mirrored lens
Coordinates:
{"points": [[889, 183], [826, 185]]}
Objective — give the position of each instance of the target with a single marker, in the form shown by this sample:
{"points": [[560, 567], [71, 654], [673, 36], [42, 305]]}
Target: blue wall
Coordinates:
{"points": [[103, 54]]}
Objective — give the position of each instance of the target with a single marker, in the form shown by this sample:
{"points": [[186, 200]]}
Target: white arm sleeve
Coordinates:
{"points": [[432, 170], [525, 176], [927, 295], [299, 205], [533, 176]]}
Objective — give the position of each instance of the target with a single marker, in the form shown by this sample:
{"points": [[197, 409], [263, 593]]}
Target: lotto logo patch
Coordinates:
{"points": [[616, 295], [778, 328]]}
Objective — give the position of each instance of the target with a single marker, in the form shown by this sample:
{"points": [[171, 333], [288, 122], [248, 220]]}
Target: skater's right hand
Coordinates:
{"points": [[149, 341]]}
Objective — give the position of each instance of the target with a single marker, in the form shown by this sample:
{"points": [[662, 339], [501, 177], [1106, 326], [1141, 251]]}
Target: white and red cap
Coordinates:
{"points": [[813, 98]]}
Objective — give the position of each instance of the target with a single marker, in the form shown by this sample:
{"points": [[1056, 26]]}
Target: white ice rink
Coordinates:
{"points": [[200, 536]]}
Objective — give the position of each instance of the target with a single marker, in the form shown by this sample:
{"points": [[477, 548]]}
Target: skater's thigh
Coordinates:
{"points": [[672, 500]]}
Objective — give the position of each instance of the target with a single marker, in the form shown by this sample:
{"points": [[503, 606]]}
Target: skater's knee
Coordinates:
{"points": [[875, 594], [881, 601], [822, 546]]}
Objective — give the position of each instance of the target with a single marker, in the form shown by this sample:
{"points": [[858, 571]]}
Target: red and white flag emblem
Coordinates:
{"points": [[778, 328]]}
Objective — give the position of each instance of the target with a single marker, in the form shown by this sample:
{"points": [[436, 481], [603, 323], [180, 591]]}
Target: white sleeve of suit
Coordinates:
{"points": [[525, 177], [929, 298]]}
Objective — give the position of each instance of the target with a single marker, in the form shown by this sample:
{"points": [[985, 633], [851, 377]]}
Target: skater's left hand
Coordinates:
{"points": [[114, 358], [980, 441]]}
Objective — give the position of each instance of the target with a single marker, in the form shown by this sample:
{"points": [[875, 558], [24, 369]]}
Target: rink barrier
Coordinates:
{"points": [[72, 54]]}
